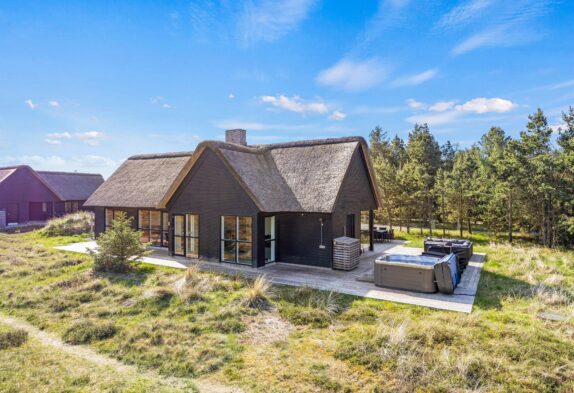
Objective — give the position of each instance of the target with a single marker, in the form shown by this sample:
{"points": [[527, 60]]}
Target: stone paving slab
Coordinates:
{"points": [[335, 280]]}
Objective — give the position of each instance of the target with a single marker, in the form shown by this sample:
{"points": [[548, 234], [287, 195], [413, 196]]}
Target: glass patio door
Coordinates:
{"points": [[270, 241], [179, 234]]}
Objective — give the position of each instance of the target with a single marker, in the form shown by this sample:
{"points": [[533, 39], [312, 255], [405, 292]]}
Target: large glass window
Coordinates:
{"points": [[71, 207], [111, 214], [153, 225], [237, 239], [186, 235]]}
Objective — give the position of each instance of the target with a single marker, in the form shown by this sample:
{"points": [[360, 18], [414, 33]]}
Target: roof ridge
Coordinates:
{"points": [[14, 167], [151, 156], [69, 173], [282, 145]]}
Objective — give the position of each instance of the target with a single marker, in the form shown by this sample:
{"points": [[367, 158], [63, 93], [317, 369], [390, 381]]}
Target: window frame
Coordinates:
{"points": [[185, 235], [163, 227], [109, 224], [235, 240]]}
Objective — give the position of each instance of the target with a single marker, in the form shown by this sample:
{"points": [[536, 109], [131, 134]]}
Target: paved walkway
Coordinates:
{"points": [[335, 280]]}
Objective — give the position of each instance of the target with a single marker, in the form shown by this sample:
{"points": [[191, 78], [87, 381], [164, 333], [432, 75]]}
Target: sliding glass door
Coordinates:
{"points": [[237, 239]]}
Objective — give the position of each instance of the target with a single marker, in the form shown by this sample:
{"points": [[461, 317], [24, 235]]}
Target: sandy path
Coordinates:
{"points": [[92, 356]]}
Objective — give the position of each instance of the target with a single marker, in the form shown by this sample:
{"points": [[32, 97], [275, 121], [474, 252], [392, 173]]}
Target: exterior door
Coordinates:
{"points": [[350, 227], [270, 239], [179, 235], [12, 214]]}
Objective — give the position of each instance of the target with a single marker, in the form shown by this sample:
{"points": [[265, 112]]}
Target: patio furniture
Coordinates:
{"points": [[346, 251], [417, 273], [462, 248]]}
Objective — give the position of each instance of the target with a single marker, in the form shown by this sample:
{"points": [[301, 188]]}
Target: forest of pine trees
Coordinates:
{"points": [[502, 184]]}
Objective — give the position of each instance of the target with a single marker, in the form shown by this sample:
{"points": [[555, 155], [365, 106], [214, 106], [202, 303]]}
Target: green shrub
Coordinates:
{"points": [[13, 338], [85, 332], [118, 246], [71, 224]]}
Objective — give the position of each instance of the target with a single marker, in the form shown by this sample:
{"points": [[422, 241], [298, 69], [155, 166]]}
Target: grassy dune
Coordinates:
{"points": [[286, 339]]}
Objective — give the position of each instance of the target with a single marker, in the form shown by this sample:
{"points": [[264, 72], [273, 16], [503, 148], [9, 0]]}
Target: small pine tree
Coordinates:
{"points": [[118, 246]]}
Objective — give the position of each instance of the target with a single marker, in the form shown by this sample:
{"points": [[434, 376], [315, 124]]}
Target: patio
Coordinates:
{"points": [[351, 282]]}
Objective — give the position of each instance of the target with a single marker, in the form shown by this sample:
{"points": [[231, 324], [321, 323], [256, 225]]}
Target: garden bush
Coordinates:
{"points": [[85, 332], [71, 224], [13, 338], [118, 246]]}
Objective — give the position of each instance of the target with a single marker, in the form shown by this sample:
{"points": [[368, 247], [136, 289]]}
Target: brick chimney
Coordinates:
{"points": [[237, 136]]}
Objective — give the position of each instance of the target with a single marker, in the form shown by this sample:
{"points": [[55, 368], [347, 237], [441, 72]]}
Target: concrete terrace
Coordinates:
{"points": [[351, 283]]}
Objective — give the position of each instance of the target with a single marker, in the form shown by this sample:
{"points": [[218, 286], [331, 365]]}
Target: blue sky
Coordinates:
{"points": [[83, 85]]}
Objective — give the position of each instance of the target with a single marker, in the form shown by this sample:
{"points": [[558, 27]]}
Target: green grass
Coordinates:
{"points": [[303, 340], [34, 367]]}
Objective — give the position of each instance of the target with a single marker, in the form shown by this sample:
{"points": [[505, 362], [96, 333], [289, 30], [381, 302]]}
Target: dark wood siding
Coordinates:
{"points": [[21, 188], [299, 238], [356, 195], [211, 191]]}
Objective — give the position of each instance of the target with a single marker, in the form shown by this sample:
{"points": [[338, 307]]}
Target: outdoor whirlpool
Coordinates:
{"points": [[417, 273]]}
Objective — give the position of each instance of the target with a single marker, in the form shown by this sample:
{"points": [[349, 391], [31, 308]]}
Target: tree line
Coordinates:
{"points": [[506, 185]]}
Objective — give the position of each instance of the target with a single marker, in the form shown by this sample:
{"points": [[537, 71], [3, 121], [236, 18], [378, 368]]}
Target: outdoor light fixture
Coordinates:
{"points": [[322, 246]]}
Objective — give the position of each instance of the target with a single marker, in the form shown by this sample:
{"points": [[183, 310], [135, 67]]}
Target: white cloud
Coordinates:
{"points": [[443, 112], [269, 20], [53, 141], [295, 104], [416, 79], [54, 104], [484, 105], [231, 96], [354, 75], [159, 100], [91, 138], [337, 116], [84, 163], [60, 135], [442, 106], [389, 14], [30, 104], [414, 104], [463, 13], [498, 23]]}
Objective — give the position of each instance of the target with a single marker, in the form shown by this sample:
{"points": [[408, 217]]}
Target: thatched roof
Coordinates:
{"points": [[72, 186], [141, 181], [304, 176], [5, 172], [66, 186]]}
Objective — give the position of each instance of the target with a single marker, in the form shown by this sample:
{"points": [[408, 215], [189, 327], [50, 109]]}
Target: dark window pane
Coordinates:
{"points": [[192, 247], [244, 252], [155, 220], [228, 250], [229, 227], [245, 228]]}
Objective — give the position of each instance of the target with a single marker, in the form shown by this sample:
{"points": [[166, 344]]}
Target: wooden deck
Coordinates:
{"points": [[351, 283]]}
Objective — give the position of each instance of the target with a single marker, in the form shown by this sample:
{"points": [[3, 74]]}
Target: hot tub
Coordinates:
{"points": [[417, 273], [462, 248], [409, 272]]}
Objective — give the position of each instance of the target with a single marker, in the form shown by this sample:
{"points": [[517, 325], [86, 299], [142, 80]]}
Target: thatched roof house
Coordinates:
{"points": [[297, 184], [29, 195], [142, 181]]}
